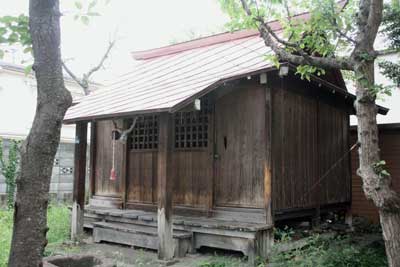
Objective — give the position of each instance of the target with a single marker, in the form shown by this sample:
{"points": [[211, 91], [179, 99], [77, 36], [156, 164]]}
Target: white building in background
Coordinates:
{"points": [[392, 102], [18, 102], [17, 110]]}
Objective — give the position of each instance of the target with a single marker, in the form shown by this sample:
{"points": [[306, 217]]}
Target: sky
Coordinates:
{"points": [[136, 25]]}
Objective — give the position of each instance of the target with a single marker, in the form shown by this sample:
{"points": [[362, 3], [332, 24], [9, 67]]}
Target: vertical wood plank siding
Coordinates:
{"points": [[309, 135], [103, 185], [241, 147], [192, 173], [142, 177], [389, 143]]}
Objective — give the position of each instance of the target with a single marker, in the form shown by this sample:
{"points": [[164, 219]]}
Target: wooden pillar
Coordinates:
{"points": [[79, 180], [266, 238], [315, 221], [92, 177], [268, 157], [124, 165], [165, 138]]}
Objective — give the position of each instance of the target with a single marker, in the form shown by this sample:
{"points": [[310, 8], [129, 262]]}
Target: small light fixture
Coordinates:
{"points": [[263, 78], [197, 104], [248, 77], [283, 70]]}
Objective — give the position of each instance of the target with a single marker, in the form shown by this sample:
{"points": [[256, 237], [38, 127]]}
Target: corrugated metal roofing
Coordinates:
{"points": [[162, 82]]}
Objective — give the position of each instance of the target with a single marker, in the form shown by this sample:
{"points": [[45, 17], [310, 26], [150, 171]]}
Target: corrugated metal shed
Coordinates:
{"points": [[164, 79]]}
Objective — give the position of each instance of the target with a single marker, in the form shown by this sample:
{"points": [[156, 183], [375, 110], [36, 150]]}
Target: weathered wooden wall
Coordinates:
{"points": [[389, 143], [309, 135], [142, 177], [103, 154], [192, 173], [241, 147]]}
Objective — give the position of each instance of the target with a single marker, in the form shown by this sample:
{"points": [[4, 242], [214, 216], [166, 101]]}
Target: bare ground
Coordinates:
{"points": [[125, 256]]}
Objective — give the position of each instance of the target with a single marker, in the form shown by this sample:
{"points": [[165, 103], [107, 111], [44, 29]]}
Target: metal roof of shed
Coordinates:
{"points": [[167, 78], [163, 82]]}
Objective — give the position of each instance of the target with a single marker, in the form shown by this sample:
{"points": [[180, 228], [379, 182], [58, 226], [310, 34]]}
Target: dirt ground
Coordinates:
{"points": [[125, 256]]}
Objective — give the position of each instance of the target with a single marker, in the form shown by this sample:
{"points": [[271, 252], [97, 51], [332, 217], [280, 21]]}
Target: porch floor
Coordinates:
{"points": [[150, 218]]}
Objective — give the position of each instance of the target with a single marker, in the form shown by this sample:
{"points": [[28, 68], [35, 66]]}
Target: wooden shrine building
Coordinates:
{"points": [[214, 144]]}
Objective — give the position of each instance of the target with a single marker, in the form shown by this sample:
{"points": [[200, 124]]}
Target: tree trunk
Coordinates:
{"points": [[390, 223], [376, 185], [39, 149]]}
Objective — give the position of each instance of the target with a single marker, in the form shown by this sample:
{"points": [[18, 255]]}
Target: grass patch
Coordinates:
{"points": [[5, 235], [58, 221], [223, 261], [335, 252], [338, 252]]}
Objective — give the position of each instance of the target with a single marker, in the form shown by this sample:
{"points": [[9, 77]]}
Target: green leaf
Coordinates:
{"points": [[78, 5], [28, 50], [1, 54], [85, 20], [93, 14], [28, 69], [92, 4]]}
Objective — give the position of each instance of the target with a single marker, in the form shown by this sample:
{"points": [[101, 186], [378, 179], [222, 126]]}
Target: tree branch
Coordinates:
{"points": [[334, 23], [304, 58], [124, 133], [75, 78], [101, 63], [85, 80]]}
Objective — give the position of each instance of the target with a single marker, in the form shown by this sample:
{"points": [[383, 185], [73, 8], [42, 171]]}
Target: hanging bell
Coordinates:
{"points": [[113, 175]]}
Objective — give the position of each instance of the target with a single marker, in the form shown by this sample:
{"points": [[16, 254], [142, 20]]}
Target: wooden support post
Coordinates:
{"points": [[124, 165], [316, 220], [268, 157], [266, 239], [79, 180], [348, 218], [165, 248], [92, 162]]}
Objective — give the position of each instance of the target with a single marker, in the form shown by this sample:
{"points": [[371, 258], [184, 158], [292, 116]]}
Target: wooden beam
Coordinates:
{"points": [[79, 180], [93, 134], [165, 138]]}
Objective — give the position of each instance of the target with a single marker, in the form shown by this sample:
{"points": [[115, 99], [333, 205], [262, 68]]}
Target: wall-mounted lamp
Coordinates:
{"points": [[263, 78], [197, 104], [283, 70]]}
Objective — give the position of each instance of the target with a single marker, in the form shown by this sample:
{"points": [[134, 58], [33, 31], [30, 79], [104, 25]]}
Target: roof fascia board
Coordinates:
{"points": [[121, 115]]}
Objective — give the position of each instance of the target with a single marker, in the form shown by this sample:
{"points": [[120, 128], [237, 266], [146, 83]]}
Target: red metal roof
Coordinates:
{"points": [[163, 80]]}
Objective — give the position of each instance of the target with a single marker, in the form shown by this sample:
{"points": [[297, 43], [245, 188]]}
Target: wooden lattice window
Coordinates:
{"points": [[145, 133], [191, 129]]}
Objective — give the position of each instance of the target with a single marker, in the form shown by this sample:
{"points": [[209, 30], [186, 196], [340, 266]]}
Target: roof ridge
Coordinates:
{"points": [[206, 41]]}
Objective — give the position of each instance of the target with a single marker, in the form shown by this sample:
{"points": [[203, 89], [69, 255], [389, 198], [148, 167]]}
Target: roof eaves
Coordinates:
{"points": [[115, 115], [215, 85]]}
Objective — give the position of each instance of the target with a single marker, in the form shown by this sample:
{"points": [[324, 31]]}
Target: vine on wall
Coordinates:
{"points": [[9, 169]]}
